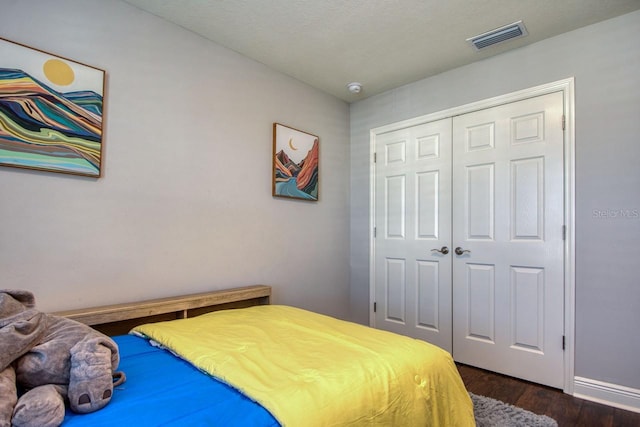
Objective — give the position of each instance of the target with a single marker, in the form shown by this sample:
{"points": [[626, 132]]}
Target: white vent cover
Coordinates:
{"points": [[498, 35]]}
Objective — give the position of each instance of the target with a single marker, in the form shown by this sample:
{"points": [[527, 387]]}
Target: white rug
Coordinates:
{"points": [[494, 413]]}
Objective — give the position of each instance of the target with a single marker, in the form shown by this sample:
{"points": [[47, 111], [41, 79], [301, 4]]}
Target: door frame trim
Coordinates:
{"points": [[567, 87]]}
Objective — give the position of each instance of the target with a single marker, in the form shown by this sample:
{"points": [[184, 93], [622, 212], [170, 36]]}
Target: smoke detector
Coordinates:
{"points": [[354, 87], [499, 35]]}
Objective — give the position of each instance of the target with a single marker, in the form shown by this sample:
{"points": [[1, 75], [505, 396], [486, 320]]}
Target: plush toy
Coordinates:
{"points": [[47, 360]]}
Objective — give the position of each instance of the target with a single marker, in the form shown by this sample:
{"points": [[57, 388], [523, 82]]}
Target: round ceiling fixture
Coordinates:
{"points": [[354, 87]]}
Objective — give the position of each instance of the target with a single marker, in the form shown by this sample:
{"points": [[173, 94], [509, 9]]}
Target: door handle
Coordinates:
{"points": [[460, 251], [443, 250]]}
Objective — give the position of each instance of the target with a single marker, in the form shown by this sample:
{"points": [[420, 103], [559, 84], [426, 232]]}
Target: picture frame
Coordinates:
{"points": [[51, 112], [296, 158]]}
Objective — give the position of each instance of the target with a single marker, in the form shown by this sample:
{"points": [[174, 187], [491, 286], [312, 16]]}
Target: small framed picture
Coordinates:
{"points": [[295, 163]]}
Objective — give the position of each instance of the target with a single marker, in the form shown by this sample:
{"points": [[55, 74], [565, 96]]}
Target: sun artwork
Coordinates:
{"points": [[58, 72]]}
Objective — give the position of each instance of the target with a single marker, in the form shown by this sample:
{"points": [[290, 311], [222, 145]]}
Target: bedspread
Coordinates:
{"points": [[314, 370]]}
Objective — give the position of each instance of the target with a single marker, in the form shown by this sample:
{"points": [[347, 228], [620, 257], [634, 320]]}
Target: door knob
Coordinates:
{"points": [[443, 250], [460, 251]]}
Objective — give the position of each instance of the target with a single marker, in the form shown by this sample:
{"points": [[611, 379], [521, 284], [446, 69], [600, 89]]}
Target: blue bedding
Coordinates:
{"points": [[164, 390]]}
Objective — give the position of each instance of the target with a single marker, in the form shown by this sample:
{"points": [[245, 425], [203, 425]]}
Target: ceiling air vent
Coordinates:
{"points": [[498, 35]]}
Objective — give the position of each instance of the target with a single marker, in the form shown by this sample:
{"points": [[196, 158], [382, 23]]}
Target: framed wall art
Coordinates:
{"points": [[50, 112], [295, 163]]}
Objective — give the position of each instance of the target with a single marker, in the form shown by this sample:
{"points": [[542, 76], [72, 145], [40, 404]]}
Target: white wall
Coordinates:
{"points": [[184, 204], [605, 60]]}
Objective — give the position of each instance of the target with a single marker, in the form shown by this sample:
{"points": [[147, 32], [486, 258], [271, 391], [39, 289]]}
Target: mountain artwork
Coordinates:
{"points": [[295, 163], [50, 112]]}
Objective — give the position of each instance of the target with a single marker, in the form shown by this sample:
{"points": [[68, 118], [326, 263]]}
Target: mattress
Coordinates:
{"points": [[277, 365]]}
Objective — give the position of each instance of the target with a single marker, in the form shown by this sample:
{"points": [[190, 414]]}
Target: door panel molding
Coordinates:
{"points": [[523, 130]]}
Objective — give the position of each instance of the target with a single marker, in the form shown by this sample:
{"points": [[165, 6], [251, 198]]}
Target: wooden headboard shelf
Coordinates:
{"points": [[120, 318]]}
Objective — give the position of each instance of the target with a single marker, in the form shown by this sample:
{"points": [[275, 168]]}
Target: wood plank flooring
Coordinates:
{"points": [[567, 410]]}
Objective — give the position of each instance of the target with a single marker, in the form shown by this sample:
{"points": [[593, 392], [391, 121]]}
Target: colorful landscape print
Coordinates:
{"points": [[50, 112], [295, 163]]}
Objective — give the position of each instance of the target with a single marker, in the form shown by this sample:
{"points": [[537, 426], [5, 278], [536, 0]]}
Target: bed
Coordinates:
{"points": [[231, 358]]}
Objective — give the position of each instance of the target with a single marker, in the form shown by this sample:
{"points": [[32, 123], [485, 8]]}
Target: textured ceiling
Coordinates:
{"points": [[382, 44]]}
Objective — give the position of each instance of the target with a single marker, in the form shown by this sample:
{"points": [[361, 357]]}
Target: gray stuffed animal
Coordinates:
{"points": [[54, 359]]}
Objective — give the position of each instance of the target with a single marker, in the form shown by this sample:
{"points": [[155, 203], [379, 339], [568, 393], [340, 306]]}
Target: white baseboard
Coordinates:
{"points": [[615, 395]]}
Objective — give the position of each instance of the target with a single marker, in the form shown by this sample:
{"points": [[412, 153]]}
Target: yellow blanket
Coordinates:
{"points": [[312, 370]]}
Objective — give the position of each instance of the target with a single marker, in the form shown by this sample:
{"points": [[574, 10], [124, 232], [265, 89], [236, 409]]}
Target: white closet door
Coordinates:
{"points": [[413, 217], [508, 292]]}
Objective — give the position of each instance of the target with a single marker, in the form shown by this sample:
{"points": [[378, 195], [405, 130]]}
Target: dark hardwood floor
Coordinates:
{"points": [[567, 410]]}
